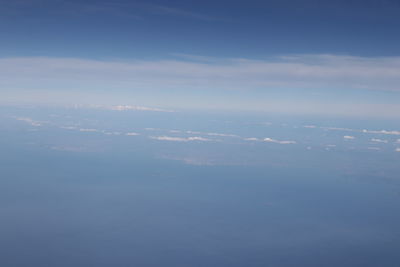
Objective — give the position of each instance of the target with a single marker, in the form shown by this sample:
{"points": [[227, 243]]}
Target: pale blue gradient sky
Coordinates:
{"points": [[310, 57]]}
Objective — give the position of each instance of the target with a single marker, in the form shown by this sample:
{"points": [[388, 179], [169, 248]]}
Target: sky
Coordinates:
{"points": [[335, 58], [199, 133]]}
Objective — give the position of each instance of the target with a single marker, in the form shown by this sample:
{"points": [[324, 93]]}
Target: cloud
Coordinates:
{"points": [[43, 78], [131, 134], [30, 121], [397, 149], [69, 127], [338, 129], [222, 134], [180, 139], [377, 140], [303, 71], [210, 134], [382, 132], [386, 132], [278, 142], [251, 139], [348, 137], [373, 148], [88, 130], [307, 71], [111, 133], [139, 108]]}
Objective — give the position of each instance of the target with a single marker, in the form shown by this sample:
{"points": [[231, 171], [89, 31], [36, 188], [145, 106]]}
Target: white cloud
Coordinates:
{"points": [[212, 134], [382, 132], [397, 149], [278, 142], [338, 129], [111, 133], [193, 132], [251, 139], [377, 140], [180, 139], [131, 134], [44, 79], [68, 127], [222, 134], [329, 147], [385, 132], [137, 108], [348, 137], [30, 121], [88, 130], [305, 71]]}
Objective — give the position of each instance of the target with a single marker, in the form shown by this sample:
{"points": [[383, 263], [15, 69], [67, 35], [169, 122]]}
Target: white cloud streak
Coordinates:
{"points": [[303, 71], [270, 140], [131, 134], [30, 121], [180, 139], [81, 79], [377, 140], [137, 108], [382, 132]]}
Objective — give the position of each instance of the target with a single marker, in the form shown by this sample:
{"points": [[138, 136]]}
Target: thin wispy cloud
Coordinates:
{"points": [[138, 108], [382, 132], [252, 139], [377, 140], [181, 139], [318, 71], [365, 131], [132, 134], [270, 140], [28, 78], [30, 121], [88, 130], [374, 148]]}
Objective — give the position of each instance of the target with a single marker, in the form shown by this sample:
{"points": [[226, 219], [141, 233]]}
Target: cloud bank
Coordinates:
{"points": [[180, 82], [302, 71], [180, 139]]}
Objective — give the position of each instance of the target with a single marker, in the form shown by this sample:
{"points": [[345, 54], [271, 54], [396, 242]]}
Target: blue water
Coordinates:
{"points": [[71, 198]]}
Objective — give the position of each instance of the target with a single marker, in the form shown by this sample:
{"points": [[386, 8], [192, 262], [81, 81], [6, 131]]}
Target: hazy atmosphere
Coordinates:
{"points": [[199, 133]]}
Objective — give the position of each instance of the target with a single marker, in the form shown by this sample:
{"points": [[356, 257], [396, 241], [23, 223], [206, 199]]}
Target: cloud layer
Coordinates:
{"points": [[303, 71], [291, 84]]}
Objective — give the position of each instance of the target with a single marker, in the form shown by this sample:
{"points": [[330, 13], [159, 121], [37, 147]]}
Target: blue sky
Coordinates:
{"points": [[199, 133], [324, 57]]}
